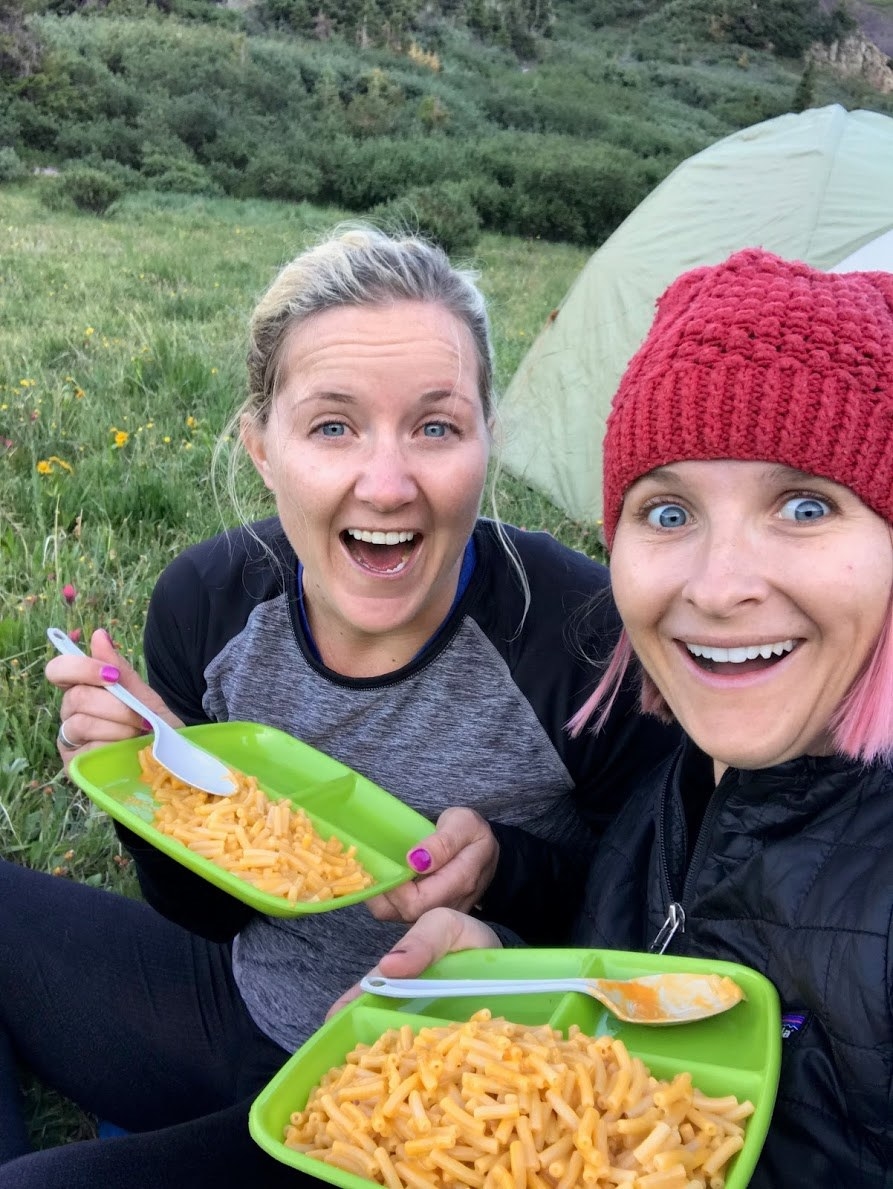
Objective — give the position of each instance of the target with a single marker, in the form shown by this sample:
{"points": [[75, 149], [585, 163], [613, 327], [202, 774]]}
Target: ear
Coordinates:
{"points": [[253, 435]]}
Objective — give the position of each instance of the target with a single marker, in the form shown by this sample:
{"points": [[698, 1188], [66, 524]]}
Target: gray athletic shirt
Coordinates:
{"points": [[477, 719]]}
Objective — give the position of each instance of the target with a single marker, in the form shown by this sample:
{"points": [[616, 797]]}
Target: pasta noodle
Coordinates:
{"points": [[488, 1104], [271, 844]]}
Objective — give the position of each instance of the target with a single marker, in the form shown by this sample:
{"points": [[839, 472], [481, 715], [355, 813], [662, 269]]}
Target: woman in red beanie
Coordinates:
{"points": [[748, 507]]}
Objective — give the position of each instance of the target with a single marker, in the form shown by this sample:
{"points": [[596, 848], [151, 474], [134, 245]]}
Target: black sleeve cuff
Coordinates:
{"points": [[181, 895], [537, 886]]}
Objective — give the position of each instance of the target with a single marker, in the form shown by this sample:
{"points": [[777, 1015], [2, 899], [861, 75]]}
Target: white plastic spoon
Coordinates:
{"points": [[188, 762], [650, 999]]}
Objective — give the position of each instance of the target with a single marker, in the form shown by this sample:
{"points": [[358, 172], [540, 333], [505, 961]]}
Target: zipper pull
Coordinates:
{"points": [[675, 923]]}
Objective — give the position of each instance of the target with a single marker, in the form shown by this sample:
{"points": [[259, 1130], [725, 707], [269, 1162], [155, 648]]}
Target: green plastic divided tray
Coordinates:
{"points": [[337, 800], [738, 1052]]}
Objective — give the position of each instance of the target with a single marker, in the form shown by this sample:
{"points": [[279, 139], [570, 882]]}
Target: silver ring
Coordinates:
{"points": [[62, 738]]}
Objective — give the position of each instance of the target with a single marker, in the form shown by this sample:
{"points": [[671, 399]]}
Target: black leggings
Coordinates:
{"points": [[140, 1023]]}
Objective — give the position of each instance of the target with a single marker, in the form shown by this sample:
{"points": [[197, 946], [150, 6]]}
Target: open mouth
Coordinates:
{"points": [[381, 552], [747, 658]]}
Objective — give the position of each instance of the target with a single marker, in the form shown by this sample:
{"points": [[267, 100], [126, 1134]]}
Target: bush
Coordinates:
{"points": [[130, 179], [362, 174], [112, 140], [286, 173], [91, 189], [11, 166], [444, 214], [180, 176]]}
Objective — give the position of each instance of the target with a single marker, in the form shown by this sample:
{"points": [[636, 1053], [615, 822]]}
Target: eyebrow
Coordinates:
{"points": [[434, 397], [777, 474], [785, 474]]}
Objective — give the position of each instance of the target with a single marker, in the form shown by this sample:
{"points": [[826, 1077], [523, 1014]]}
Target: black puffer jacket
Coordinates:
{"points": [[791, 872]]}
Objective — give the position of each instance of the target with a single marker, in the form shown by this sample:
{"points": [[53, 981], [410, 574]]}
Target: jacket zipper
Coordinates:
{"points": [[675, 921]]}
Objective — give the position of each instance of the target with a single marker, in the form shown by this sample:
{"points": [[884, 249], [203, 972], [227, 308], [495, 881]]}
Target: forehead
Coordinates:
{"points": [[408, 337], [724, 471]]}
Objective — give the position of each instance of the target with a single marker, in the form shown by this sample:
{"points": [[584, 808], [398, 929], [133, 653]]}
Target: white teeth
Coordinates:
{"points": [[735, 656], [380, 538]]}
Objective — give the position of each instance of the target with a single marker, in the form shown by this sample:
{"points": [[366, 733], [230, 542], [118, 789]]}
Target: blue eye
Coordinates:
{"points": [[435, 429], [805, 508], [667, 516], [332, 429]]}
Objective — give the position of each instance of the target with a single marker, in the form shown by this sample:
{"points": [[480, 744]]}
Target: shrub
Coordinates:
{"points": [[286, 172], [91, 189], [444, 214], [112, 140], [180, 176], [129, 178], [363, 174], [11, 166], [195, 119]]}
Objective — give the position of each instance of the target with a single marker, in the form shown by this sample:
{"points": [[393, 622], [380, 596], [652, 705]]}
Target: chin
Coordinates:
{"points": [[755, 750]]}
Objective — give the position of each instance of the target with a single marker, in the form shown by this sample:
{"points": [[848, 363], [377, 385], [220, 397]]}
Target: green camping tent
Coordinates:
{"points": [[816, 187]]}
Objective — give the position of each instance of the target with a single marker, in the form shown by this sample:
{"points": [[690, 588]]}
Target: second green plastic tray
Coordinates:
{"points": [[738, 1052], [337, 800]]}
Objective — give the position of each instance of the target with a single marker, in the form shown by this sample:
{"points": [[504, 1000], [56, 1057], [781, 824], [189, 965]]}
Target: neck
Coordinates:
{"points": [[356, 655]]}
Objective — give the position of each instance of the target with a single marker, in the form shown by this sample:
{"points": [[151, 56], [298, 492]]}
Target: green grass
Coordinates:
{"points": [[135, 325]]}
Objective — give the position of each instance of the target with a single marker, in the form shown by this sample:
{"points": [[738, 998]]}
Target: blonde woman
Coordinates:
{"points": [[376, 616]]}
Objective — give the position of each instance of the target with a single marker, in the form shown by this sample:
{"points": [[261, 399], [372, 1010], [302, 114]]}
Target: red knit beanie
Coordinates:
{"points": [[763, 360]]}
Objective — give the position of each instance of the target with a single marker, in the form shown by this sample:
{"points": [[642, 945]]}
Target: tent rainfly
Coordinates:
{"points": [[817, 187]]}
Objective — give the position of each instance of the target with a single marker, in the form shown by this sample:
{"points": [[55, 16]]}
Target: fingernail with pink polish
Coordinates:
{"points": [[419, 859], [109, 673], [147, 726]]}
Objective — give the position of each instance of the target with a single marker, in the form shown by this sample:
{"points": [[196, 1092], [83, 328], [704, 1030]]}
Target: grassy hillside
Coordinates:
{"points": [[462, 131]]}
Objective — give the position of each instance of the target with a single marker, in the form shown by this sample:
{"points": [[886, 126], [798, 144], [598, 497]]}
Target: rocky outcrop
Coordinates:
{"points": [[856, 57]]}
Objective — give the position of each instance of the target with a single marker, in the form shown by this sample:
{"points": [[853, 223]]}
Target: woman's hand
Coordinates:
{"points": [[455, 865], [441, 931], [90, 715]]}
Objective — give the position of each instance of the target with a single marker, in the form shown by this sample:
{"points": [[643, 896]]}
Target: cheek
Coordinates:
{"points": [[457, 490], [866, 584], [632, 593]]}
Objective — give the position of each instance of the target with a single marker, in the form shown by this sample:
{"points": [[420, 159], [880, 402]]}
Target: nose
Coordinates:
{"points": [[725, 572], [386, 481]]}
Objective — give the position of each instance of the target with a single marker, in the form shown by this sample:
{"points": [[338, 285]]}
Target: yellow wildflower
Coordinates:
{"points": [[166, 439], [121, 437], [191, 422], [88, 331], [47, 466]]}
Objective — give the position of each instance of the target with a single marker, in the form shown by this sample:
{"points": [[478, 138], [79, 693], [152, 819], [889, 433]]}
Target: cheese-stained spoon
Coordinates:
{"points": [[672, 998]]}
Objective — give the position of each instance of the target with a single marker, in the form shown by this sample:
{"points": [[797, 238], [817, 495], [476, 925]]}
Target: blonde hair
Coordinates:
{"points": [[360, 265]]}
